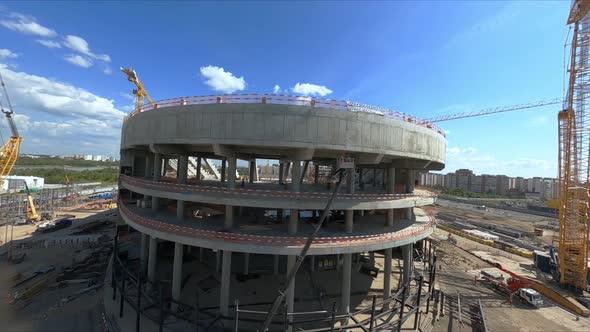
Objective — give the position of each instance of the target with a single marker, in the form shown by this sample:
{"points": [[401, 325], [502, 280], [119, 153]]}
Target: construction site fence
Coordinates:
{"points": [[288, 100], [149, 300], [466, 309], [390, 307]]}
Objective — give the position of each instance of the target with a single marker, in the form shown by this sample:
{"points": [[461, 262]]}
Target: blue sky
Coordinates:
{"points": [[61, 60]]}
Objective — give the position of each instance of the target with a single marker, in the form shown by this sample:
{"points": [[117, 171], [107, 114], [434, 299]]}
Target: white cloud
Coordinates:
{"points": [[220, 80], [276, 89], [62, 116], [485, 163], [78, 60], [80, 45], [27, 25], [311, 89], [127, 95], [107, 70], [7, 54], [49, 43]]}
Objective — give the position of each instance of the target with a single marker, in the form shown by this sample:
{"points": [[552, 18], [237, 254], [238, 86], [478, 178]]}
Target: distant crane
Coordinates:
{"points": [[495, 110], [10, 151], [140, 93]]}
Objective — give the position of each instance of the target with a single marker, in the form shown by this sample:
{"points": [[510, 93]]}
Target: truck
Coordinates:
{"points": [[514, 287], [530, 296]]}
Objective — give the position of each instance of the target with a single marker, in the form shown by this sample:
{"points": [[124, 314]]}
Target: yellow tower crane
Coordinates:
{"points": [[140, 93], [574, 155], [10, 151]]}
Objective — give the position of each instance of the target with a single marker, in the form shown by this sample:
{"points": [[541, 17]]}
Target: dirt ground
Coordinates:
{"points": [[47, 310], [457, 268], [504, 218]]}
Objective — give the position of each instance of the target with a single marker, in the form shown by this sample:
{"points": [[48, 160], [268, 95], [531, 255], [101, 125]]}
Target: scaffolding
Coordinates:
{"points": [[574, 157]]}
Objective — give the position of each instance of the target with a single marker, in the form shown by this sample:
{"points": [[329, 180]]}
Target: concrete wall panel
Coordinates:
{"points": [[283, 126]]}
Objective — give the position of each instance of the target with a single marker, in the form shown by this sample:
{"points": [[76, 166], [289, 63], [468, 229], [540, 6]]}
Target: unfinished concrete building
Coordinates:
{"points": [[180, 188]]}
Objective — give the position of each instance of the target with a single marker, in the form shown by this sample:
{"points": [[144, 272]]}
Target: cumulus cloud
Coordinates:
{"points": [[220, 80], [49, 43], [311, 89], [7, 54], [27, 25], [78, 60], [62, 116], [80, 45], [276, 89]]}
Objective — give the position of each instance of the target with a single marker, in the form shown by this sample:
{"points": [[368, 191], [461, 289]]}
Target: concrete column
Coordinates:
{"points": [[291, 290], [349, 214], [312, 263], [390, 190], [387, 274], [346, 275], [179, 210], [149, 166], [275, 265], [287, 167], [228, 223], [157, 166], [351, 179], [177, 272], [152, 259], [407, 257], [246, 262], [223, 170], [201, 254], [293, 221], [252, 169], [409, 182], [348, 221], [225, 280], [198, 168], [145, 241], [157, 173], [294, 214], [296, 175], [182, 169], [316, 173], [231, 183], [231, 172], [165, 161], [391, 180], [281, 173]]}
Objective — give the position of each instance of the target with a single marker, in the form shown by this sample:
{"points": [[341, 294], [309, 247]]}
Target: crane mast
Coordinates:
{"points": [[10, 151], [574, 155], [140, 93]]}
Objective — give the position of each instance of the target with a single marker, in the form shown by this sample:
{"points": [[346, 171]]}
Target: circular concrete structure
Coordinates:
{"points": [[180, 162]]}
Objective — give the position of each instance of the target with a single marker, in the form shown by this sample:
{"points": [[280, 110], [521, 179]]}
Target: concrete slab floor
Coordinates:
{"points": [[264, 226]]}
